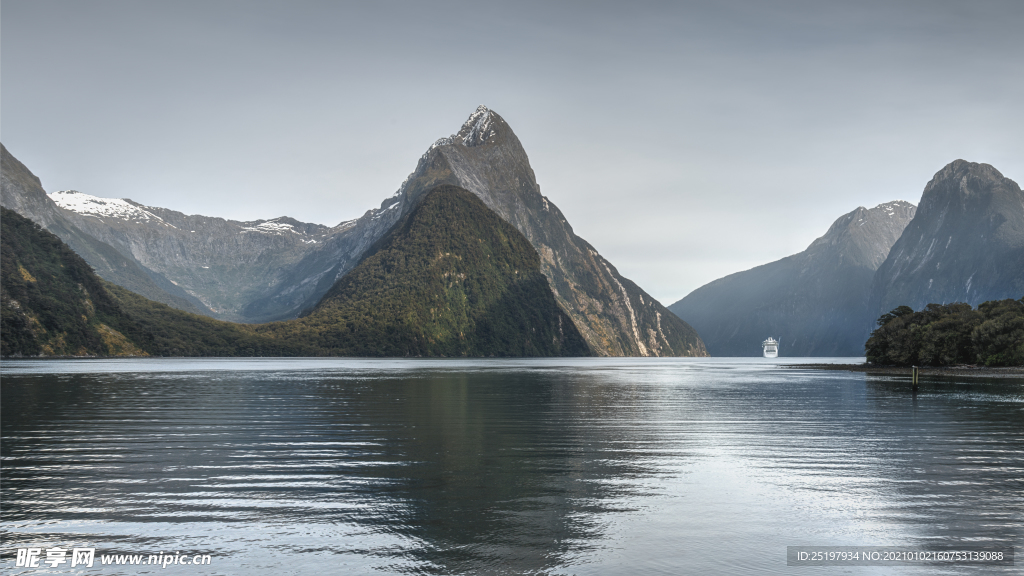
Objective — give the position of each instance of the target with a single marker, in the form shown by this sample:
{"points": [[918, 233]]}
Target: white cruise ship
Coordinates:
{"points": [[771, 348]]}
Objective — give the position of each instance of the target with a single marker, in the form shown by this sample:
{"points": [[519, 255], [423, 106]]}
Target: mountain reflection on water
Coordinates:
{"points": [[596, 466]]}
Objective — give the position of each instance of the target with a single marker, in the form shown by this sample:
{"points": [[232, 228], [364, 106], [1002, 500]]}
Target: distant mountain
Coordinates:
{"points": [[225, 264], [450, 279], [21, 191], [965, 244], [814, 302]]}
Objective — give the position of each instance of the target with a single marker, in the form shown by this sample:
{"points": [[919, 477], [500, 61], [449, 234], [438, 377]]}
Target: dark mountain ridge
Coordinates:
{"points": [[965, 243], [813, 302]]}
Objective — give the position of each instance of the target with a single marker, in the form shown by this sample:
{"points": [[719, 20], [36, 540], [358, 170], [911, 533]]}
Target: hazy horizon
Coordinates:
{"points": [[685, 142]]}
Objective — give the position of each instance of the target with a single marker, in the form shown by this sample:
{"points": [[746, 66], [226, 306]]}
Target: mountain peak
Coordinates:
{"points": [[969, 186], [965, 243], [960, 169], [893, 208], [614, 315], [479, 127], [865, 235]]}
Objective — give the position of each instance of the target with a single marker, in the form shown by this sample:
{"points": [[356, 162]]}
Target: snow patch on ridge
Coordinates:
{"points": [[88, 205], [270, 227], [478, 127], [890, 207]]}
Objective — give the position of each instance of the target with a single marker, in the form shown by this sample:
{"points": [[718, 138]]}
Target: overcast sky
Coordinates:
{"points": [[685, 141]]}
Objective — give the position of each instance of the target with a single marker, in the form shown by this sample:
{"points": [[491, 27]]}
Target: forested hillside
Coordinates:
{"points": [[451, 279]]}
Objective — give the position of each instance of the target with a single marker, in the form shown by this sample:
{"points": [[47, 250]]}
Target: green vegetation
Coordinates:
{"points": [[452, 279], [51, 302], [177, 333], [945, 335]]}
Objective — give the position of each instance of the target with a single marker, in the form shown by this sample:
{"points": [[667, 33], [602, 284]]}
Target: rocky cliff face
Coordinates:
{"points": [[22, 192], [305, 282], [814, 302], [965, 244]]}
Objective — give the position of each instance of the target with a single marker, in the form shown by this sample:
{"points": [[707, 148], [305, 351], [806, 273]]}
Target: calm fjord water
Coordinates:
{"points": [[590, 466]]}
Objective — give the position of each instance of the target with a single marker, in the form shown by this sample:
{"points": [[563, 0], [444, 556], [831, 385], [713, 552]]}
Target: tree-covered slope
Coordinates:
{"points": [[451, 279], [176, 333], [51, 302]]}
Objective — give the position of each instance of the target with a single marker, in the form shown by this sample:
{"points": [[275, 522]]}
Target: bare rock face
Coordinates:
{"points": [[965, 244], [225, 264], [815, 302]]}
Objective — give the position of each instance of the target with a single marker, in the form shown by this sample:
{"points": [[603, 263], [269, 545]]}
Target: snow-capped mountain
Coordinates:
{"points": [[129, 211], [88, 205]]}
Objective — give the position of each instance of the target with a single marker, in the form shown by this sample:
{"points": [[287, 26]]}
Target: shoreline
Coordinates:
{"points": [[962, 370]]}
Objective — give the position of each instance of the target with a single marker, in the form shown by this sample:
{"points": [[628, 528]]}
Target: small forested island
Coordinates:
{"points": [[949, 339], [950, 335]]}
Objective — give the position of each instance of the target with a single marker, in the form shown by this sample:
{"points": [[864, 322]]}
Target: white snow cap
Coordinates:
{"points": [[270, 227], [477, 129], [890, 207], [88, 205]]}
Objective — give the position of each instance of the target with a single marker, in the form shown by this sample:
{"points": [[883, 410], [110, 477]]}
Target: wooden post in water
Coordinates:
{"points": [[914, 378]]}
